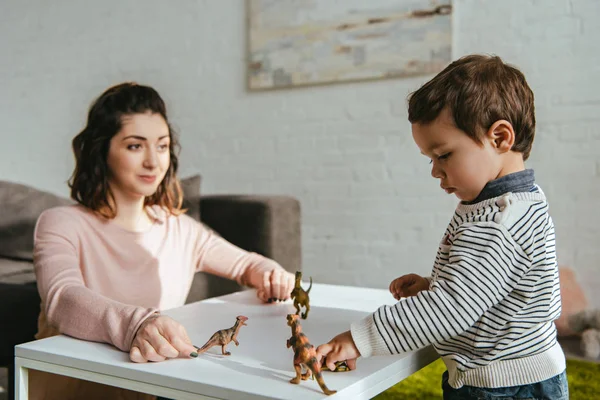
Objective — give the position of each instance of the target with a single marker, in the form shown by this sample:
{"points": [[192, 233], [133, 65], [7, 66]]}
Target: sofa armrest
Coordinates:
{"points": [[267, 225], [16, 271]]}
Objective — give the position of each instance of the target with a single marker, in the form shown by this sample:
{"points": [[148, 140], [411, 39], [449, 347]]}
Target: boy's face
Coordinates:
{"points": [[462, 165]]}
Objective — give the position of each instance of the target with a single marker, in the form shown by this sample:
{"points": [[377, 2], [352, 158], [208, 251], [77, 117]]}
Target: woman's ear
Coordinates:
{"points": [[501, 135]]}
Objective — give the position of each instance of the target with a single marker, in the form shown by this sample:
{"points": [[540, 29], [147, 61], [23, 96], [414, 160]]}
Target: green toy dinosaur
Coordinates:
{"points": [[300, 295]]}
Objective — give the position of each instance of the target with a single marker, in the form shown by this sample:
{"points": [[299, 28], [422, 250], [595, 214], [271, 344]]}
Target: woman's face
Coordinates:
{"points": [[138, 156]]}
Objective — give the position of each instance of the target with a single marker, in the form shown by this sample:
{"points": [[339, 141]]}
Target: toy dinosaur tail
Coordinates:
{"points": [[313, 366], [210, 343], [309, 286], [204, 348]]}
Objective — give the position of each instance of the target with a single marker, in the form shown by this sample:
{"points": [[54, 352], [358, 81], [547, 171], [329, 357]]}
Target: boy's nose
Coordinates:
{"points": [[436, 171]]}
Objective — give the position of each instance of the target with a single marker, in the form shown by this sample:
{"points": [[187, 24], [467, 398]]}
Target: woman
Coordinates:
{"points": [[107, 266]]}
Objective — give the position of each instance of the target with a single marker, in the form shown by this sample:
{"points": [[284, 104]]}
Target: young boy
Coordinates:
{"points": [[488, 306]]}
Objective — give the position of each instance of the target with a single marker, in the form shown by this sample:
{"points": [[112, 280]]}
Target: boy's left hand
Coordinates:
{"points": [[340, 348]]}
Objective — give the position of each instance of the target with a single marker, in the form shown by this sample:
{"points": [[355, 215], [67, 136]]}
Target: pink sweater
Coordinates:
{"points": [[99, 282]]}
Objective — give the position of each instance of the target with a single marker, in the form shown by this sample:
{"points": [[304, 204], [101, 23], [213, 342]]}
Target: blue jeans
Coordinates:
{"points": [[555, 388]]}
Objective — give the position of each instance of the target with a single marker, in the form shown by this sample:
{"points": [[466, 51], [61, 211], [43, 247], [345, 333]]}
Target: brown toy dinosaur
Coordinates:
{"points": [[300, 295], [340, 366], [305, 355], [224, 336]]}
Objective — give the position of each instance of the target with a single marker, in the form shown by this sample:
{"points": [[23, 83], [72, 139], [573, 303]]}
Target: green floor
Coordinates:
{"points": [[583, 376]]}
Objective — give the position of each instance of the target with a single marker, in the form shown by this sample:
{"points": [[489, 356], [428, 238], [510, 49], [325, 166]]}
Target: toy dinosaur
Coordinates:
{"points": [[224, 336], [305, 355], [340, 366], [300, 295]]}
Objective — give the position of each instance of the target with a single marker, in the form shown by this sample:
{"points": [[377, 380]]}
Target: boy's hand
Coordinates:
{"points": [[340, 348], [408, 285]]}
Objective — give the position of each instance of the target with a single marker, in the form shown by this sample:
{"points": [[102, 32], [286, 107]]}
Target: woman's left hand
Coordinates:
{"points": [[275, 285]]}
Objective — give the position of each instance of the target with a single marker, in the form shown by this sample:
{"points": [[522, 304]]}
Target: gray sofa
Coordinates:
{"points": [[268, 225]]}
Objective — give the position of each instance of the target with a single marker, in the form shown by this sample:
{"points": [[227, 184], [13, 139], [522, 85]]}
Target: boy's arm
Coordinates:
{"points": [[484, 265], [428, 279]]}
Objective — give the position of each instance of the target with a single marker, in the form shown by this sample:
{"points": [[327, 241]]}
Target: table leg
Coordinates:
{"points": [[21, 382]]}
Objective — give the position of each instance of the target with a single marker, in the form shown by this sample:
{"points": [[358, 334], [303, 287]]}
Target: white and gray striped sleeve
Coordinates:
{"points": [[484, 263]]}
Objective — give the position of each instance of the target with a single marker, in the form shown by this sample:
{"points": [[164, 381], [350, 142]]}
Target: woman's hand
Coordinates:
{"points": [[274, 285], [158, 338], [408, 285]]}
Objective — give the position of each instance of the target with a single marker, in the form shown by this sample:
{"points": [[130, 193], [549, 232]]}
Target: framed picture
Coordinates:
{"points": [[311, 42]]}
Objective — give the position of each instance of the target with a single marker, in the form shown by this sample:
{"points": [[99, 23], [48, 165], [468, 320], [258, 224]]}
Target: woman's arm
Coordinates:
{"points": [[69, 305], [217, 256]]}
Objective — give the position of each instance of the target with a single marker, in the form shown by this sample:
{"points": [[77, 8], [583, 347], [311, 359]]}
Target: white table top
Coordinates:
{"points": [[261, 367]]}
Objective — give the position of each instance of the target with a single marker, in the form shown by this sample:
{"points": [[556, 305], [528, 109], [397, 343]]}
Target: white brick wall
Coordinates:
{"points": [[370, 210]]}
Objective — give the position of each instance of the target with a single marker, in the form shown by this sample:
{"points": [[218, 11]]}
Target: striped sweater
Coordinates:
{"points": [[493, 296]]}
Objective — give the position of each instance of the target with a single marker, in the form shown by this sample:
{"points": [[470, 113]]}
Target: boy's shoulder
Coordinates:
{"points": [[522, 208], [520, 216], [505, 209]]}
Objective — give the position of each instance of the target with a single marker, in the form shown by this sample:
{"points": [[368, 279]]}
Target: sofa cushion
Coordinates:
{"points": [[21, 205], [191, 195]]}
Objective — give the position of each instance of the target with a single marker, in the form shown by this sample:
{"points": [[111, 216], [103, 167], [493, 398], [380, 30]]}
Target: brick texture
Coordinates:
{"points": [[371, 212]]}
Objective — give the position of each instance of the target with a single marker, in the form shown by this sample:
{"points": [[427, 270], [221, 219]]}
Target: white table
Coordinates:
{"points": [[259, 368]]}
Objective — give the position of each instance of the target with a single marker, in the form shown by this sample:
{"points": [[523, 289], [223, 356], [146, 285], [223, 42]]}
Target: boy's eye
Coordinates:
{"points": [[442, 157]]}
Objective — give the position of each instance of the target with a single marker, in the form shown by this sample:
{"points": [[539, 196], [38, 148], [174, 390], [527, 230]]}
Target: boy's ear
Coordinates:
{"points": [[501, 135]]}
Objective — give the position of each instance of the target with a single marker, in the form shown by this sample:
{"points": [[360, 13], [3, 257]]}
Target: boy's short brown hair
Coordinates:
{"points": [[478, 90]]}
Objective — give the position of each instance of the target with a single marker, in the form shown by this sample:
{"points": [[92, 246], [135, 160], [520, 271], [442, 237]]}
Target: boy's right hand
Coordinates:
{"points": [[160, 337], [408, 285], [340, 348]]}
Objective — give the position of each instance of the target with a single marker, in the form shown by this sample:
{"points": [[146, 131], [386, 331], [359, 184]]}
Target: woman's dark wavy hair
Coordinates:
{"points": [[89, 181]]}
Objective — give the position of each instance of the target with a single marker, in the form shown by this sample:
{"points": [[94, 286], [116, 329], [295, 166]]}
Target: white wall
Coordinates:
{"points": [[370, 209]]}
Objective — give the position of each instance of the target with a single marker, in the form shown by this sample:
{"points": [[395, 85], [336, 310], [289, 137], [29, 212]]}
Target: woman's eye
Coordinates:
{"points": [[134, 147], [163, 147]]}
